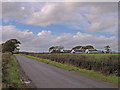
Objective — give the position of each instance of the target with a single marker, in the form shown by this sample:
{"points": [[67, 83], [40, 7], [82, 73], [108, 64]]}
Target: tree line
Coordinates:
{"points": [[57, 49], [12, 46]]}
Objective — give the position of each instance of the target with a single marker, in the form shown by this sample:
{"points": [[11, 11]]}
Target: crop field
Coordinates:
{"points": [[107, 64]]}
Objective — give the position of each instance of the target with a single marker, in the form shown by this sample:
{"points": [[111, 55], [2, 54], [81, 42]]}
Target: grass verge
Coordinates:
{"points": [[11, 74], [111, 78], [14, 72]]}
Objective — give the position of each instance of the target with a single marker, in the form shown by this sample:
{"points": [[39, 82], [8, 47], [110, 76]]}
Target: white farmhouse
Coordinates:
{"points": [[77, 51], [91, 51]]}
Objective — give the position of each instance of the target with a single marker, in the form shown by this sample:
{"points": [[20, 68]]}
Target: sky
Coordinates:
{"points": [[40, 25]]}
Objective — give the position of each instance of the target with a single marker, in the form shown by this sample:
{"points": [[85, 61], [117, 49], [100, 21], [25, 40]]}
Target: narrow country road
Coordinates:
{"points": [[47, 76]]}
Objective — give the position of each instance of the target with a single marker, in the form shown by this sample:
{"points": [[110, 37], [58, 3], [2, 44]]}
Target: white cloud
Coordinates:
{"points": [[44, 39], [52, 13], [9, 27], [44, 33]]}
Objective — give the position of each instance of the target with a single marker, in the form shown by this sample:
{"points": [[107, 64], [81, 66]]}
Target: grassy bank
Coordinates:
{"points": [[91, 73], [11, 73]]}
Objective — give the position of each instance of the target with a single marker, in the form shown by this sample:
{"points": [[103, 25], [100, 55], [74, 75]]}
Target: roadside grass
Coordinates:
{"points": [[111, 78], [11, 76], [14, 73]]}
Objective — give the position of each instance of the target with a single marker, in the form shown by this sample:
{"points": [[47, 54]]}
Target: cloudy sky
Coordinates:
{"points": [[40, 25]]}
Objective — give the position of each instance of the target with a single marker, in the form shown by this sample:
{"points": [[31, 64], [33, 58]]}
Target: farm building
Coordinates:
{"points": [[86, 51], [78, 51], [66, 51], [81, 49], [91, 51]]}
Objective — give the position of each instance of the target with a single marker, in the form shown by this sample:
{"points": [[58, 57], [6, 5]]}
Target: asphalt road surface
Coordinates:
{"points": [[44, 75]]}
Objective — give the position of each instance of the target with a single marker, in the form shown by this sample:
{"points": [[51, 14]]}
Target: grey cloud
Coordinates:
{"points": [[99, 8], [16, 11], [103, 24]]}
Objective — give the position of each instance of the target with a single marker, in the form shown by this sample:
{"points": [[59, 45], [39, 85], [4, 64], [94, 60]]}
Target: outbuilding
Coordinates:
{"points": [[77, 51], [91, 51]]}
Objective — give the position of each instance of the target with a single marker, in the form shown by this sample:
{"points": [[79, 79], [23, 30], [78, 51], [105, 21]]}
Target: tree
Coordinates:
{"points": [[76, 47], [107, 48], [11, 46], [51, 48], [56, 49]]}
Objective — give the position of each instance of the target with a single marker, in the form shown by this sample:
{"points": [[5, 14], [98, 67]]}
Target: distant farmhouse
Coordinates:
{"points": [[91, 51], [66, 51], [76, 49], [85, 49]]}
